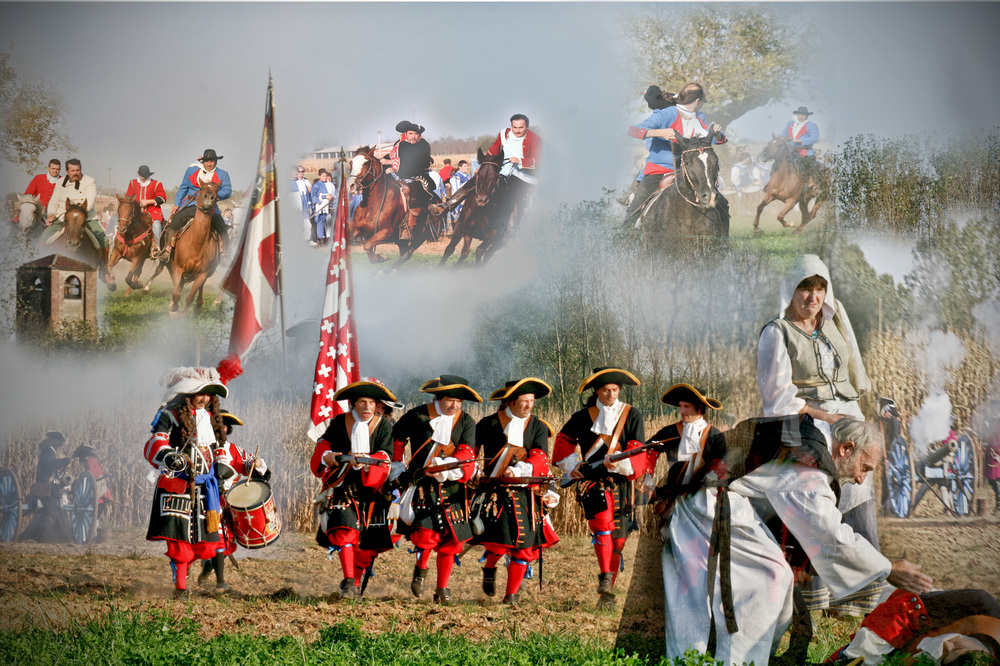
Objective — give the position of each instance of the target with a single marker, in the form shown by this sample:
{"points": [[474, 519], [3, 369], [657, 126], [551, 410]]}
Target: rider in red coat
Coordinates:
{"points": [[150, 195]]}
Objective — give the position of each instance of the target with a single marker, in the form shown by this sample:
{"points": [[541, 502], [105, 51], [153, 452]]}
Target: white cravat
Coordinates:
{"points": [[360, 442], [796, 128], [442, 426], [52, 179], [690, 125], [205, 176], [515, 429], [203, 424], [691, 439], [607, 417]]}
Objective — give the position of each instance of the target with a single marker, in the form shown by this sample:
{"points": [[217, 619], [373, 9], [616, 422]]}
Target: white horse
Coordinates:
{"points": [[30, 212]]}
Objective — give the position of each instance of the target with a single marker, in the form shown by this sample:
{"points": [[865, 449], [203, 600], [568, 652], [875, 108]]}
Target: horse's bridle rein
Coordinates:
{"points": [[136, 208], [687, 178]]}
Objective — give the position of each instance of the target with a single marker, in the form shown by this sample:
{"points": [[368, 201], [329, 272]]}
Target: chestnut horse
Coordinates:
{"points": [[790, 184], [486, 211], [690, 207], [75, 240], [382, 213], [132, 241], [197, 251]]}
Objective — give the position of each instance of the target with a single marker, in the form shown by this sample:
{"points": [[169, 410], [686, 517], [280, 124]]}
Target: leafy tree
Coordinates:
{"points": [[745, 57], [32, 119]]}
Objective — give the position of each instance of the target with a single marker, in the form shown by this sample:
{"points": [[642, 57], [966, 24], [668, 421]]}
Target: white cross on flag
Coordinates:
{"points": [[337, 362]]}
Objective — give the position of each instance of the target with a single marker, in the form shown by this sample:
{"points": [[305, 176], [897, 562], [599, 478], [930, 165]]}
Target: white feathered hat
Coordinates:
{"points": [[193, 380]]}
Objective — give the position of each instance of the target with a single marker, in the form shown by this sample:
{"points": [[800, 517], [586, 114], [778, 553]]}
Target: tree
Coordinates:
{"points": [[32, 119], [745, 57]]}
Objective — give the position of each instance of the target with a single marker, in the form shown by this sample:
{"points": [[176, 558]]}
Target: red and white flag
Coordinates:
{"points": [[253, 279], [337, 363]]}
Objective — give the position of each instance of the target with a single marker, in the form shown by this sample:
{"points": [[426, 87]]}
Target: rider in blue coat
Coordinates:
{"points": [[802, 133], [184, 202]]}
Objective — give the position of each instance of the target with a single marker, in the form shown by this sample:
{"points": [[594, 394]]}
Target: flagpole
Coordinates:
{"points": [[347, 240], [277, 223]]}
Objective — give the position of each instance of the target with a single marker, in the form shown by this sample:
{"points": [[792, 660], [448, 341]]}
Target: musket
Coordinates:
{"points": [[345, 461], [436, 469], [589, 467]]}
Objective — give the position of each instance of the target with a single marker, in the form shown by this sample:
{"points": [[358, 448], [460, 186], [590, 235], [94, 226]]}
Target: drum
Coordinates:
{"points": [[255, 521]]}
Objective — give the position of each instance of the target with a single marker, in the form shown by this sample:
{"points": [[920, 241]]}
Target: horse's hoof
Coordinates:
{"points": [[797, 230], [111, 286], [757, 233]]}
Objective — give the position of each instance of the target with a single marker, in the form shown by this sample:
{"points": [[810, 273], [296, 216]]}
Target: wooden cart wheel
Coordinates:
{"points": [[961, 475], [10, 506], [83, 508], [899, 477]]}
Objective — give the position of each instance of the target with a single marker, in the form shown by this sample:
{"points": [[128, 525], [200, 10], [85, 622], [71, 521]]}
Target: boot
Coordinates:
{"points": [[605, 583], [347, 589], [219, 564], [417, 585], [489, 580], [207, 567], [606, 601], [167, 250], [442, 596], [626, 198], [512, 600]]}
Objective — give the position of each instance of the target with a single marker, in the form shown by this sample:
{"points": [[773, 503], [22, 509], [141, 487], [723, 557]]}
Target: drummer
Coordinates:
{"points": [[515, 444], [352, 458], [186, 432], [238, 465]]}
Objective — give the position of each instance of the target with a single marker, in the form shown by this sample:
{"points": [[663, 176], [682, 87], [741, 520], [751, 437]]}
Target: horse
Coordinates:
{"points": [[692, 205], [197, 252], [30, 215], [485, 213], [133, 240], [75, 240], [790, 184], [382, 214]]}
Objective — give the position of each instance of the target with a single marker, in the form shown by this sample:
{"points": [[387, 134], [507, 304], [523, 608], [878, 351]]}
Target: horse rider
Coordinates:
{"points": [[654, 100], [184, 203], [150, 195], [44, 184], [434, 512], [682, 118], [78, 189], [409, 160], [801, 133], [604, 427]]}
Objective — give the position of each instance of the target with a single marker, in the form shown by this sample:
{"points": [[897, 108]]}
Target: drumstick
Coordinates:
{"points": [[254, 458]]}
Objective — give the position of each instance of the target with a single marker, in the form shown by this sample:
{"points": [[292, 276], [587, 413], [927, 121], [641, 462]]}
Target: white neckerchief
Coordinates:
{"points": [[203, 424], [796, 127], [513, 146], [690, 125], [607, 417], [442, 425], [691, 439], [515, 429], [52, 179], [205, 176], [360, 442], [142, 183]]}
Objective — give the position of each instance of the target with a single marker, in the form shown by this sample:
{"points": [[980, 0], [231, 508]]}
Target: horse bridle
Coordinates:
{"points": [[497, 183], [136, 208], [685, 175]]}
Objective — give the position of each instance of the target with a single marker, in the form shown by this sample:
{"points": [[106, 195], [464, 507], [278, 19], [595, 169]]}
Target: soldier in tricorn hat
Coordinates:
{"points": [[605, 426], [440, 435], [515, 445]]}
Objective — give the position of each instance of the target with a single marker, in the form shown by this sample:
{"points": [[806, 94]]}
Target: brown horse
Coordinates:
{"points": [[486, 211], [382, 215], [790, 183], [692, 205], [132, 241], [75, 240], [197, 251]]}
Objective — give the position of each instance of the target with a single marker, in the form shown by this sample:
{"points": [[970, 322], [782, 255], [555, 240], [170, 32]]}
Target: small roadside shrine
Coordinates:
{"points": [[52, 291]]}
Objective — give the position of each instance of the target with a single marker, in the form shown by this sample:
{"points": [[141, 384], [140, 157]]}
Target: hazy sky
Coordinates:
{"points": [[157, 83]]}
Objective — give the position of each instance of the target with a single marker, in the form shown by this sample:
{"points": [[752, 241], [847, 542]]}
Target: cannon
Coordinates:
{"points": [[77, 497]]}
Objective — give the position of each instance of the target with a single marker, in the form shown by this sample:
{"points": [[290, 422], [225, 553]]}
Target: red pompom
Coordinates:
{"points": [[229, 368]]}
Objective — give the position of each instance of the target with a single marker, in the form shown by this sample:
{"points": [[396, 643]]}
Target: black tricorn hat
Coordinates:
{"points": [[83, 451], [209, 154], [144, 172], [687, 393], [366, 388], [604, 376], [450, 386], [55, 438], [515, 388], [230, 419], [803, 110], [404, 126]]}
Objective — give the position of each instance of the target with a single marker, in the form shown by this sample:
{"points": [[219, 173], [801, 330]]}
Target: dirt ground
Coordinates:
{"points": [[284, 588]]}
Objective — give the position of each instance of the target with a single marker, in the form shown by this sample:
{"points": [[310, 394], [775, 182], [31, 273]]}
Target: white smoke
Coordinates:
{"points": [[933, 422], [942, 353]]}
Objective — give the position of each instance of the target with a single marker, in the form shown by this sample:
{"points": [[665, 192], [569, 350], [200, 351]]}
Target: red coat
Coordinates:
{"points": [[41, 188], [532, 148], [153, 189]]}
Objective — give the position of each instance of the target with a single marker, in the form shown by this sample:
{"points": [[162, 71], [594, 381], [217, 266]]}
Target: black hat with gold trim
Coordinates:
{"points": [[687, 393], [515, 388], [604, 376], [230, 419], [367, 387], [450, 386]]}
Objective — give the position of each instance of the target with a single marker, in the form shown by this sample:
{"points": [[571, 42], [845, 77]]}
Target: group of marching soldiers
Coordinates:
{"points": [[445, 500]]}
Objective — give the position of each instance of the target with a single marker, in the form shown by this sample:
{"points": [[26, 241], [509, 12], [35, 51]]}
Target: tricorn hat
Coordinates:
{"points": [[230, 419], [687, 393], [803, 110], [144, 172], [604, 376], [83, 451], [368, 387], [55, 438], [450, 386], [209, 154], [515, 388], [404, 126]]}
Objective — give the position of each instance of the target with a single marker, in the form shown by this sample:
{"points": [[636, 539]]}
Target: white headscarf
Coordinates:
{"points": [[515, 429]]}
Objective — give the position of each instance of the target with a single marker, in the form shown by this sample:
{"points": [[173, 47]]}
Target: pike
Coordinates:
{"points": [[589, 467]]}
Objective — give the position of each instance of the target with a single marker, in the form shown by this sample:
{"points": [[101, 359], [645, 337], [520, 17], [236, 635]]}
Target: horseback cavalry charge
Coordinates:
{"points": [[133, 241], [795, 180]]}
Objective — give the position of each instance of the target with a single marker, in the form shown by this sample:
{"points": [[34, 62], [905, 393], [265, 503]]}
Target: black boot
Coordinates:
{"points": [[220, 572], [489, 579], [605, 582], [347, 589], [417, 585], [442, 596], [207, 567]]}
